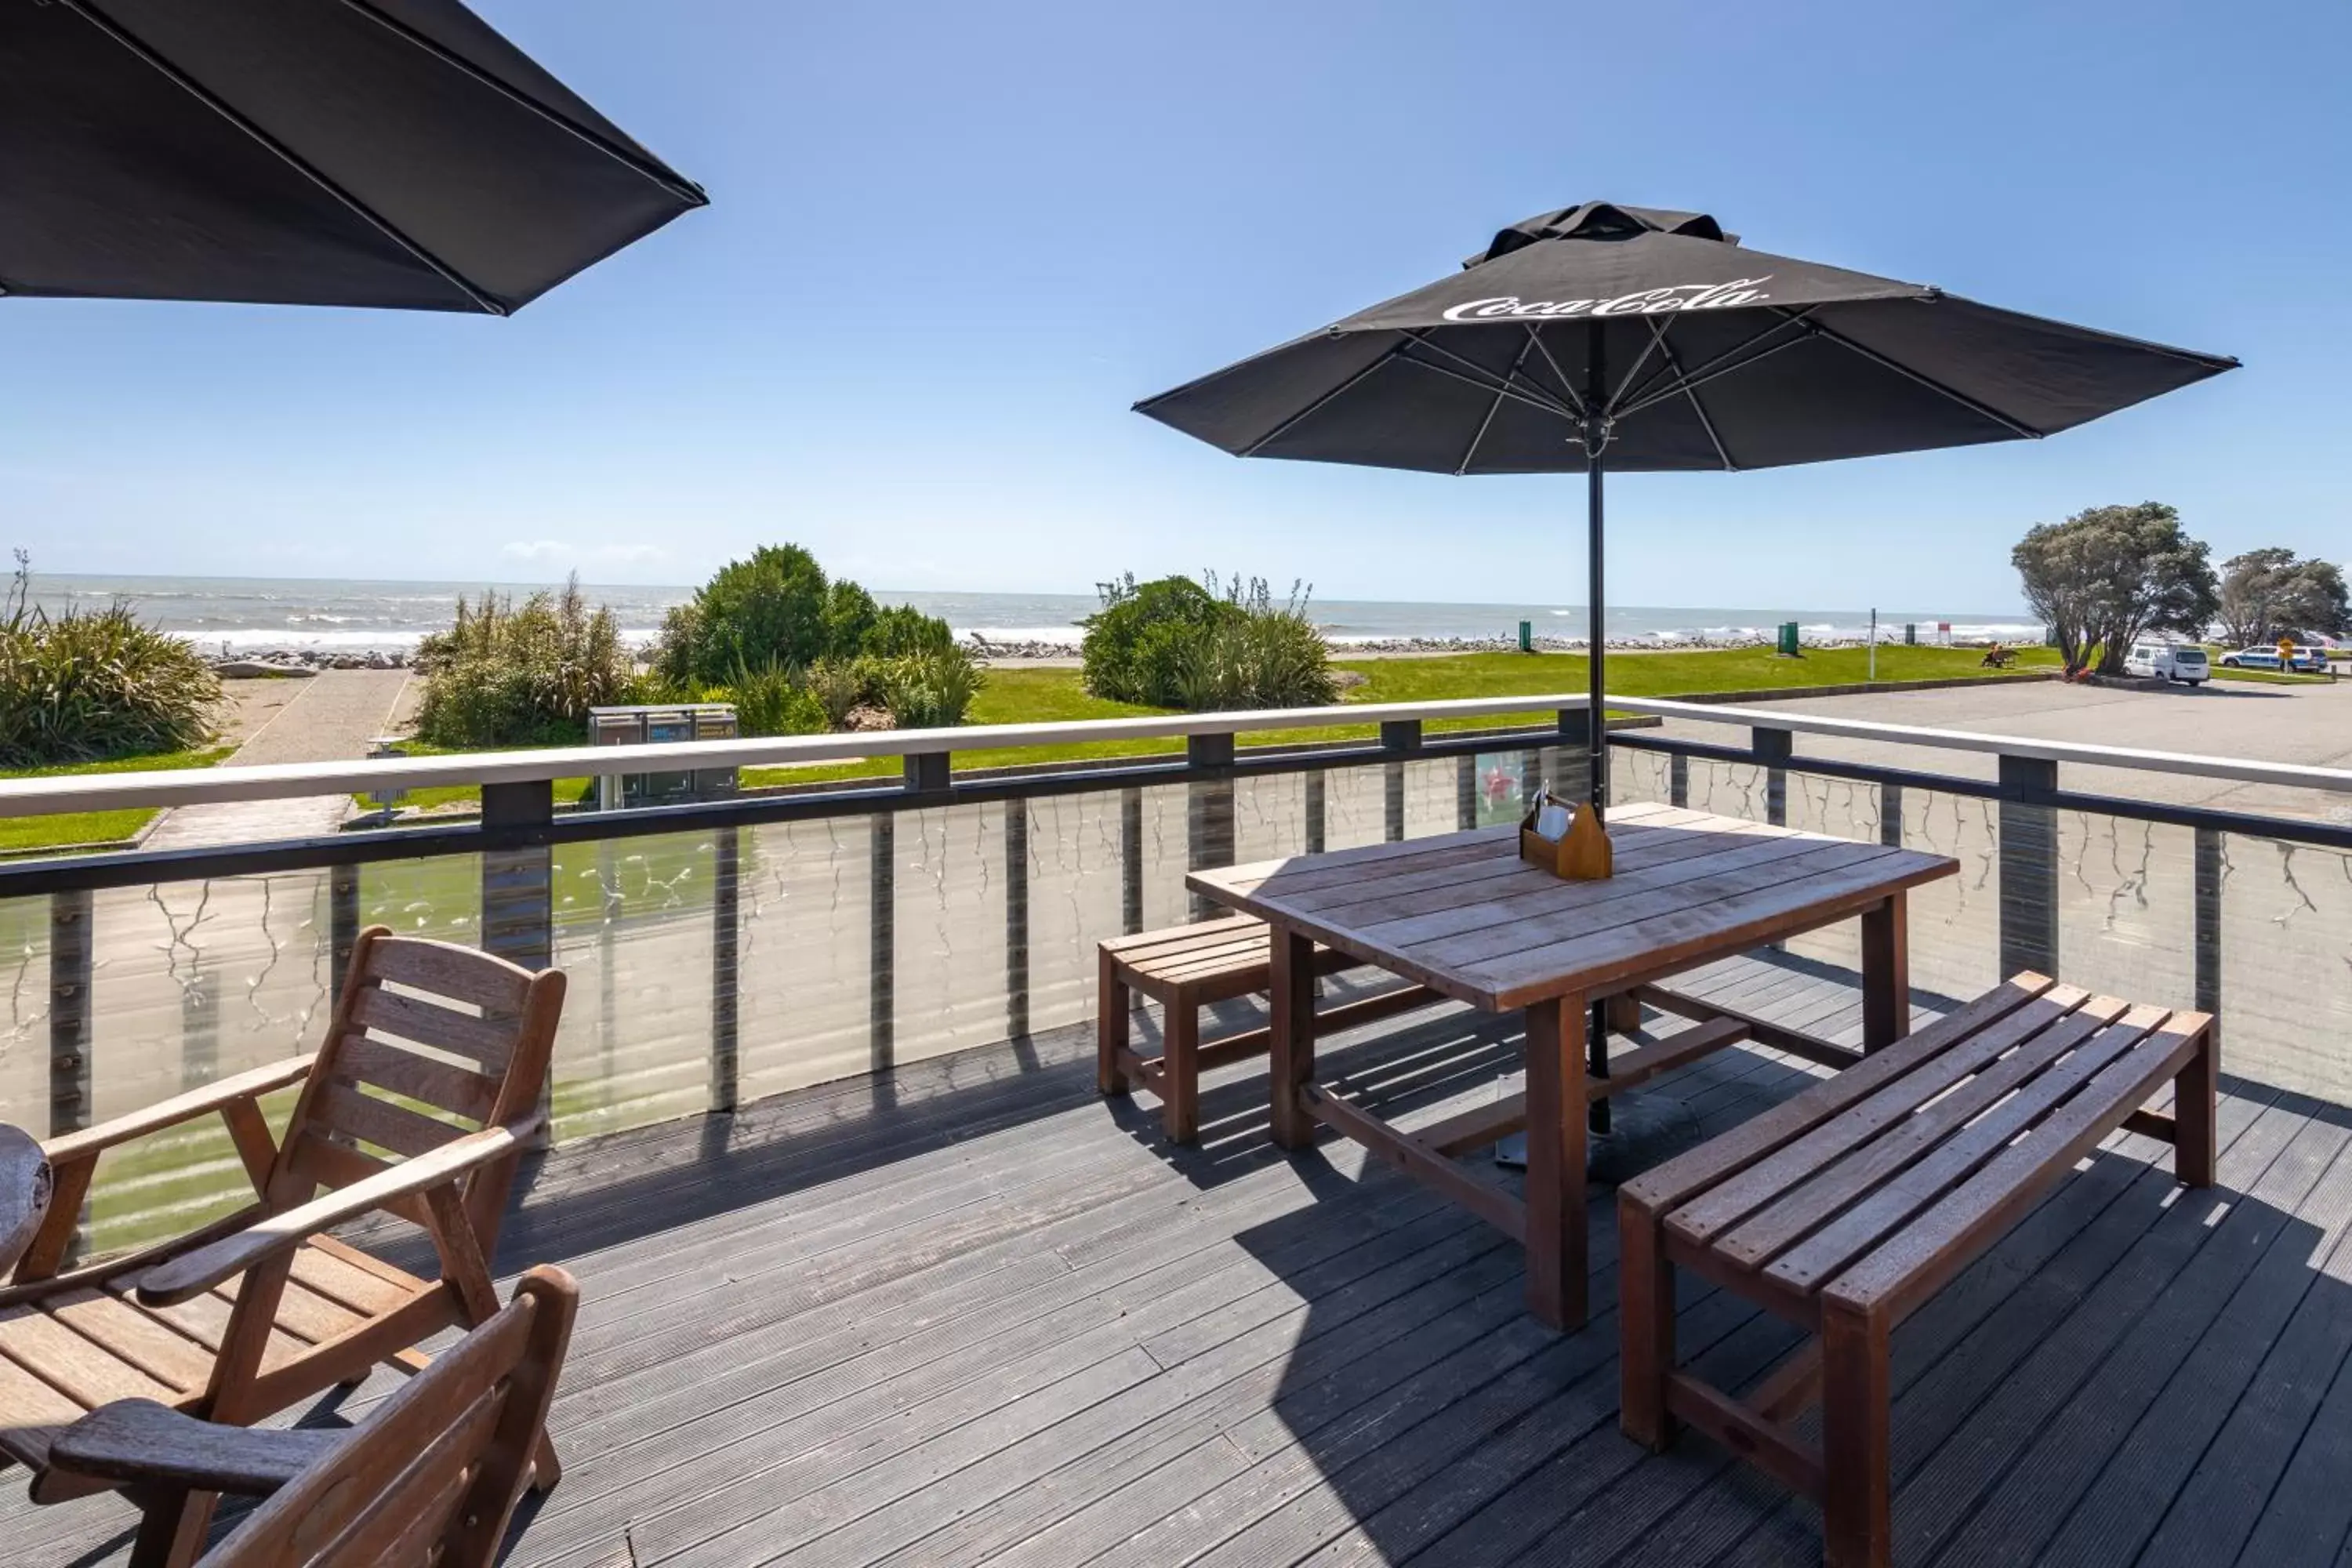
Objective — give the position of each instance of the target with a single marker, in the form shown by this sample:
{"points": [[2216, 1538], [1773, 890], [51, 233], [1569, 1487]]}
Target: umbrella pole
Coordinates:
{"points": [[1596, 723], [1596, 440]]}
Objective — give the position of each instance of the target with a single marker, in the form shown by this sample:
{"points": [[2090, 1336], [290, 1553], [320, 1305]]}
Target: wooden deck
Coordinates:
{"points": [[969, 1313]]}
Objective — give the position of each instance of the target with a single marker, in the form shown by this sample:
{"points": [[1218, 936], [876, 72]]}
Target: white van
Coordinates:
{"points": [[2169, 661]]}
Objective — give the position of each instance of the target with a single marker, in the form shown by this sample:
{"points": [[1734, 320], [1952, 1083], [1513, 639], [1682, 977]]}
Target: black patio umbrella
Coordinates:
{"points": [[371, 152], [1603, 336]]}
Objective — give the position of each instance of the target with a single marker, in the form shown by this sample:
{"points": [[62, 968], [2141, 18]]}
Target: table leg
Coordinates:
{"points": [[1292, 1027], [1556, 1109], [1886, 974]]}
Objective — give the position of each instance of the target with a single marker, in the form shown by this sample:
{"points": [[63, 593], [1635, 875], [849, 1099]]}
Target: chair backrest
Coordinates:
{"points": [[430, 1041], [433, 1475]]}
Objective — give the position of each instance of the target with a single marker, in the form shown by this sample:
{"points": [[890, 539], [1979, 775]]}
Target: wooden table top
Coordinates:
{"points": [[1463, 914]]}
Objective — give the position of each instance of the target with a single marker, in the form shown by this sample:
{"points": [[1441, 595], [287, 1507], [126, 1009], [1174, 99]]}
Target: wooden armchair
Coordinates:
{"points": [[421, 1103], [430, 1478]]}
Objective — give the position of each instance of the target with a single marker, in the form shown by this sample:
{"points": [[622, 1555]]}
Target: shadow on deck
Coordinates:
{"points": [[971, 1313]]}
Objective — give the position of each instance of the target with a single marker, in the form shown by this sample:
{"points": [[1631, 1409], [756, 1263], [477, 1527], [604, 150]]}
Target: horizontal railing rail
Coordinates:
{"points": [[281, 781]]}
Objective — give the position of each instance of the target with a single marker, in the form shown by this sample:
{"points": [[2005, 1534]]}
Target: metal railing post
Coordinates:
{"points": [[342, 925], [882, 889], [70, 916], [1678, 780], [1571, 762], [1130, 861], [1400, 738], [1016, 919], [1465, 792], [726, 989], [517, 899], [1209, 811], [1890, 815], [1317, 801], [2028, 865], [1773, 749], [2208, 899]]}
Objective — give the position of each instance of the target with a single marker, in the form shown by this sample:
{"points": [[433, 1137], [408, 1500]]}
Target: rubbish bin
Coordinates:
{"points": [[1788, 640], [1526, 636], [1910, 634]]}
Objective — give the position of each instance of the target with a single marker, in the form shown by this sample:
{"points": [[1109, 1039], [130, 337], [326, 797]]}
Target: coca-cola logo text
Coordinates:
{"points": [[1646, 303]]}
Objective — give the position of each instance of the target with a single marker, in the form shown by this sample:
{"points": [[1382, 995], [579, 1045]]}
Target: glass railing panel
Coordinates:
{"points": [[1955, 921], [804, 954], [1079, 892], [187, 983], [2285, 924], [2127, 908], [1269, 817], [952, 899], [632, 930]]}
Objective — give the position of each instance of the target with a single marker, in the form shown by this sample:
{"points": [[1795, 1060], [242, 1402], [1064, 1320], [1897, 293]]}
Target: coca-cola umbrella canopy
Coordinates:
{"points": [[370, 152], [1614, 337]]}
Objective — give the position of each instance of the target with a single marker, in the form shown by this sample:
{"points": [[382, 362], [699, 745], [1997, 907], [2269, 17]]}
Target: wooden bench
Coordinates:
{"points": [[1845, 1208], [1185, 969]]}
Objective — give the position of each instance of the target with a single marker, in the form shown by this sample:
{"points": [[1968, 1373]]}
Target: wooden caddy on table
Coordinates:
{"points": [[1846, 1208], [1185, 969]]}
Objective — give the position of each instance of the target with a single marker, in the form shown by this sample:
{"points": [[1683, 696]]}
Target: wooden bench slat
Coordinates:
{"points": [[1882, 1213], [1801, 1207], [1150, 942], [1694, 1171], [1916, 1262]]}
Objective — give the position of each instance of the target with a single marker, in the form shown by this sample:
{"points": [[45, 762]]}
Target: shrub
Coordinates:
{"points": [[1176, 643], [838, 685], [930, 691], [768, 701], [91, 684], [504, 676], [778, 609]]}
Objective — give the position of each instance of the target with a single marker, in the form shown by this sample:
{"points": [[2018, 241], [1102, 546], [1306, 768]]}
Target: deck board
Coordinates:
{"points": [[972, 1313]]}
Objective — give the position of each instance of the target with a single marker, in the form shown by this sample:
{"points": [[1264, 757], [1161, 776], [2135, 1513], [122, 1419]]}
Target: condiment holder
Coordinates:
{"points": [[1581, 853]]}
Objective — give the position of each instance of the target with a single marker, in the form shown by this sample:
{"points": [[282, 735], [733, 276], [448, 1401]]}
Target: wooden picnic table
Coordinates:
{"points": [[1464, 915]]}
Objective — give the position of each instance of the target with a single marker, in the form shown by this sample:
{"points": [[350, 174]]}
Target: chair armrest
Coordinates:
{"points": [[193, 1273], [137, 1441], [211, 1097]]}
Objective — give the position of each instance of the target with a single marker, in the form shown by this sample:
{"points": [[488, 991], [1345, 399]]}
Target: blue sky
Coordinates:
{"points": [[950, 244]]}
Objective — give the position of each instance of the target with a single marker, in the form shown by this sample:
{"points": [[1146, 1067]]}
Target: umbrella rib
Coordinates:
{"points": [[1513, 393], [1524, 390], [1289, 422], [1715, 369], [87, 10], [1576, 404], [1491, 409], [684, 190], [1666, 383], [1983, 410], [1674, 362]]}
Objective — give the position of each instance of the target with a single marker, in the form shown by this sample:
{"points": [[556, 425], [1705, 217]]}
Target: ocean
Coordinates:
{"points": [[251, 614]]}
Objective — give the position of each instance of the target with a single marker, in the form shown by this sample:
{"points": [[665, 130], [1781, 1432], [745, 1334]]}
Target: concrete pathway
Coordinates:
{"points": [[331, 719]]}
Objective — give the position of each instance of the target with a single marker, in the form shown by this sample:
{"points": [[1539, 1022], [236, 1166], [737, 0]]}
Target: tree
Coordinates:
{"points": [[2107, 576], [2268, 592]]}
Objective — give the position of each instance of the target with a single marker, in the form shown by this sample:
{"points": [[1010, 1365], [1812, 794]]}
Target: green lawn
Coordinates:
{"points": [[1040, 695], [19, 834]]}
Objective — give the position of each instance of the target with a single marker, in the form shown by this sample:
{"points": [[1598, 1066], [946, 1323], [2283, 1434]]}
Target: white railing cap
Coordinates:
{"points": [[1748, 715], [282, 781]]}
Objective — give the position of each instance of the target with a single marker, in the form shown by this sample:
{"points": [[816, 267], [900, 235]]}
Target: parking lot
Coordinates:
{"points": [[2311, 725]]}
